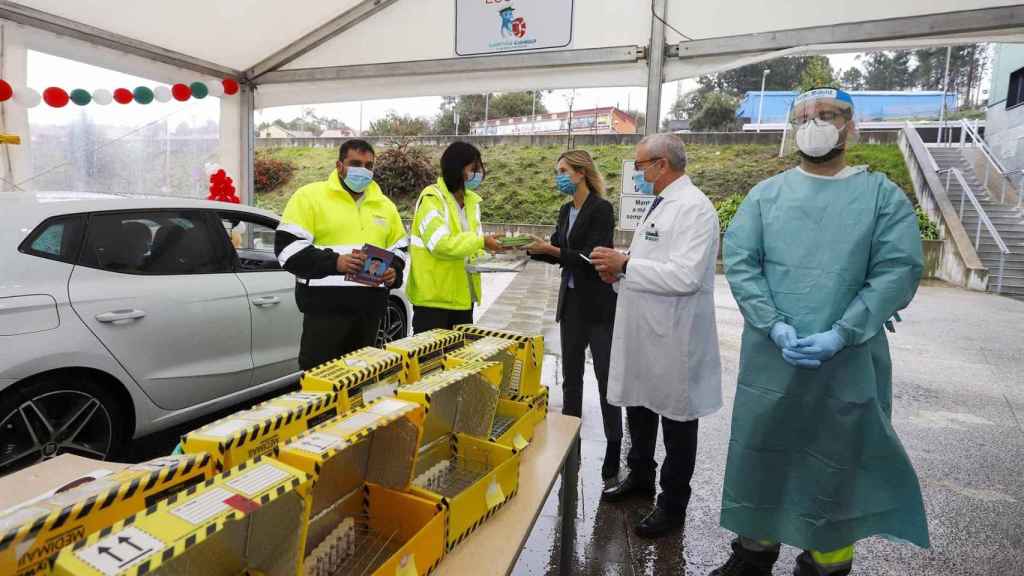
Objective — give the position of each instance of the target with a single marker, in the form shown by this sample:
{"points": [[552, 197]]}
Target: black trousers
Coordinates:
{"points": [[577, 334], [326, 337], [680, 455], [424, 318]]}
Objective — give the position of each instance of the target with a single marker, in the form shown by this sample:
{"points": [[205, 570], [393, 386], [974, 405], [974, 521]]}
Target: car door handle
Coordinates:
{"points": [[266, 301], [120, 316]]}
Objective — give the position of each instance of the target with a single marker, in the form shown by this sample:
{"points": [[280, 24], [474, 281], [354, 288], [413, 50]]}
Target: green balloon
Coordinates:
{"points": [[199, 90], [81, 97], [143, 95]]}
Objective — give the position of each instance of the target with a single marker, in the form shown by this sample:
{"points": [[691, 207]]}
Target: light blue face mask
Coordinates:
{"points": [[358, 178], [565, 184], [475, 181], [642, 184]]}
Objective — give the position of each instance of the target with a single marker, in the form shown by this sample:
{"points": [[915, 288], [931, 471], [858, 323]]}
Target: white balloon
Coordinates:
{"points": [[102, 96], [162, 94], [216, 87], [27, 97]]}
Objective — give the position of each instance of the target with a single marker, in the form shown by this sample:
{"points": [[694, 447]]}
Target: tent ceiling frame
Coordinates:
{"points": [[312, 40], [62, 26], [503, 62], [948, 23]]}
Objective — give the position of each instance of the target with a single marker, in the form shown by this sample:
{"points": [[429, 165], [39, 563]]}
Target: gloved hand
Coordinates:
{"points": [[812, 351], [783, 335]]}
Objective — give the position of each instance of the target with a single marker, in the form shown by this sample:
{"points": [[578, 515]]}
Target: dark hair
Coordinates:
{"points": [[456, 157], [354, 144]]}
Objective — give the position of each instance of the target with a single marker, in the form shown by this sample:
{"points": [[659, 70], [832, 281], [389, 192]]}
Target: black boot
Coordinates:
{"points": [[806, 566], [744, 562], [659, 523], [610, 466], [633, 485]]}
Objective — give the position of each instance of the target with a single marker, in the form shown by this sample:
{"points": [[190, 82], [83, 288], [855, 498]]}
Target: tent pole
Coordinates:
{"points": [[655, 67], [247, 126]]}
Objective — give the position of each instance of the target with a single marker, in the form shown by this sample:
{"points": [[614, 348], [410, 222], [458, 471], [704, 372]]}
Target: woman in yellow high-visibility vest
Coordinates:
{"points": [[446, 235]]}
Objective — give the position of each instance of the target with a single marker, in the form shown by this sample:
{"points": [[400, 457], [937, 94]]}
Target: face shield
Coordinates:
{"points": [[821, 124]]}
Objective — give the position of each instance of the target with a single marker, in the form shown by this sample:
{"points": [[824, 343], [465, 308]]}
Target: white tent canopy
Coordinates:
{"points": [[311, 51]]}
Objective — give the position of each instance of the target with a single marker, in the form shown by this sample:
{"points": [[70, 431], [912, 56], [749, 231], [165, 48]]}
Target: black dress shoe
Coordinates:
{"points": [[659, 522], [610, 466], [631, 486], [745, 562]]}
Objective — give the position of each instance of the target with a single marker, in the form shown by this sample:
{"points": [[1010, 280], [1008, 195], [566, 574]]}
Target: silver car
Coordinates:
{"points": [[123, 316]]}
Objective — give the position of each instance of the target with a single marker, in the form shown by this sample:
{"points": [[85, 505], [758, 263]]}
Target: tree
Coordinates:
{"points": [[967, 65], [717, 114], [852, 79], [817, 73], [471, 108], [786, 74], [888, 70], [394, 124], [640, 118]]}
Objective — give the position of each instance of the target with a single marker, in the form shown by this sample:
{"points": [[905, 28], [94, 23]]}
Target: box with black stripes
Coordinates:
{"points": [[257, 431], [524, 381], [358, 377], [250, 519], [424, 353], [363, 519], [515, 421], [33, 533]]}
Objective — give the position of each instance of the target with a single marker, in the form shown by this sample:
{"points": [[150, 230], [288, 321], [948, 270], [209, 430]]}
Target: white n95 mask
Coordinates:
{"points": [[816, 138]]}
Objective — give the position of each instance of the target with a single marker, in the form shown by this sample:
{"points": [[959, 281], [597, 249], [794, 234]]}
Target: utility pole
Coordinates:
{"points": [[533, 115], [487, 107], [945, 87], [570, 98], [760, 106]]}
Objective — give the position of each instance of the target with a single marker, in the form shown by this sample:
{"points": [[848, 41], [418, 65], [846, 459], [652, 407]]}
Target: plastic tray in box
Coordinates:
{"points": [[255, 432], [469, 478], [358, 377], [249, 520], [31, 535], [363, 521], [462, 400], [424, 352], [514, 421], [529, 352]]}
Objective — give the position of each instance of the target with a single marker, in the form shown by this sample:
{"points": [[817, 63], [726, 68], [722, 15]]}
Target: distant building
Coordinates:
{"points": [[343, 132], [275, 131], [1004, 118], [592, 121], [869, 106], [679, 125]]}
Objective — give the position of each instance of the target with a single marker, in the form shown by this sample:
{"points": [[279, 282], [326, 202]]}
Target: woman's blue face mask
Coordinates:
{"points": [[565, 184], [475, 180]]}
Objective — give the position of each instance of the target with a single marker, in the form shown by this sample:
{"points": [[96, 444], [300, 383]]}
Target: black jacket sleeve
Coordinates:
{"points": [[310, 262], [599, 231]]}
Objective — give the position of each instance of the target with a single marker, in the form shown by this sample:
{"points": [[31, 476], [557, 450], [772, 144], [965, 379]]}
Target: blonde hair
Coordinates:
{"points": [[581, 161]]}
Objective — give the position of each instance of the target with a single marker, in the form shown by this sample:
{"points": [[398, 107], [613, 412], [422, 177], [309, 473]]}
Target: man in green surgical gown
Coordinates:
{"points": [[819, 258]]}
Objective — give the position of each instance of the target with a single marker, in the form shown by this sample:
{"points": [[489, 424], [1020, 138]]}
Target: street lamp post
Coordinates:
{"points": [[760, 106]]}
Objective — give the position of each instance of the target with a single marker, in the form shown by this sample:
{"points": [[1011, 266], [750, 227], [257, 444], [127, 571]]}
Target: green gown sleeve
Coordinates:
{"points": [[744, 265], [894, 270]]}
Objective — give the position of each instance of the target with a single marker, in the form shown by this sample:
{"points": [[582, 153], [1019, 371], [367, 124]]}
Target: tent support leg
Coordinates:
{"points": [[655, 68], [247, 149]]}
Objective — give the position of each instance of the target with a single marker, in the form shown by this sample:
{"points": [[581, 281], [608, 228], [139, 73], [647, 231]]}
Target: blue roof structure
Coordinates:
{"points": [[868, 106]]}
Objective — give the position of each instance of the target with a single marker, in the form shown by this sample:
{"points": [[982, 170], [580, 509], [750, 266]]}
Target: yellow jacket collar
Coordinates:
{"points": [[470, 195]]}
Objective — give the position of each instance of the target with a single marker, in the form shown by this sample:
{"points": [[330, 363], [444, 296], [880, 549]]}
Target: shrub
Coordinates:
{"points": [[271, 174], [404, 171], [929, 231], [727, 208]]}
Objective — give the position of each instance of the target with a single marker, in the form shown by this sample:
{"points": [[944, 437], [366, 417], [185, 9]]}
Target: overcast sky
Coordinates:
{"points": [[46, 70]]}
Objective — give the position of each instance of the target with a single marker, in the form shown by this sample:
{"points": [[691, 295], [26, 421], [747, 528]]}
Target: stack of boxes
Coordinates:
{"points": [[385, 461]]}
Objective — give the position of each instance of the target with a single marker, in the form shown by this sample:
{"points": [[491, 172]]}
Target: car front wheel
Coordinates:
{"points": [[57, 415], [394, 325]]}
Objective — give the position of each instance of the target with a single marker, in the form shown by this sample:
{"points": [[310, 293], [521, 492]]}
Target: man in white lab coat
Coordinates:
{"points": [[664, 360]]}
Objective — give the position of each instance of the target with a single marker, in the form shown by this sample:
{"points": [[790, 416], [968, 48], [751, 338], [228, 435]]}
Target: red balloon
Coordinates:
{"points": [[6, 92], [123, 96], [230, 86], [181, 92], [55, 97]]}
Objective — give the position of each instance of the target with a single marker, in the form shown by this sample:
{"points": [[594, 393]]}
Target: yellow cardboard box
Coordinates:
{"points": [[491, 349], [514, 422], [248, 520], [32, 534], [526, 377], [424, 352], [462, 400], [364, 461], [255, 432], [358, 377]]}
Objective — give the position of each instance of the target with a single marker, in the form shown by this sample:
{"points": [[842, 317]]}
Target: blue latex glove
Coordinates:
{"points": [[784, 335], [812, 351]]}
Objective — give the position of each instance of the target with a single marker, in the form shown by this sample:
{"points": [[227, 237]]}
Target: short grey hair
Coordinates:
{"points": [[667, 146]]}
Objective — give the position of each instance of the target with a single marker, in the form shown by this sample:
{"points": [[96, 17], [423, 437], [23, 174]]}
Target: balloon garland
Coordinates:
{"points": [[57, 97], [222, 187]]}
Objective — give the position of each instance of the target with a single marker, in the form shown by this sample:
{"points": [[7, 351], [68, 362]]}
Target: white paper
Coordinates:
{"points": [[120, 551], [257, 480], [200, 509]]}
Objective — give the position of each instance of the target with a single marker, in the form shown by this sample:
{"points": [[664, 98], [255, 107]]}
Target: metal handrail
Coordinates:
{"points": [[967, 130], [966, 192]]}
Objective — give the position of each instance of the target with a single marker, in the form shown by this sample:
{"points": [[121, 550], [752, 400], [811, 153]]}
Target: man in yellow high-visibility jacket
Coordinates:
{"points": [[447, 235], [320, 240]]}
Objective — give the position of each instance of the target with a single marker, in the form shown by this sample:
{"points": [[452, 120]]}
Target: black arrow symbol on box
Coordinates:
{"points": [[104, 550], [128, 541]]}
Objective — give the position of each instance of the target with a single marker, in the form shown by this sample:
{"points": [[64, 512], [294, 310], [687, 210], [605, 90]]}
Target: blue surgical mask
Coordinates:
{"points": [[358, 178], [475, 181], [642, 184], [565, 184]]}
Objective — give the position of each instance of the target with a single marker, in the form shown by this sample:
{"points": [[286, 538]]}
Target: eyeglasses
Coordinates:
{"points": [[823, 115], [637, 164]]}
